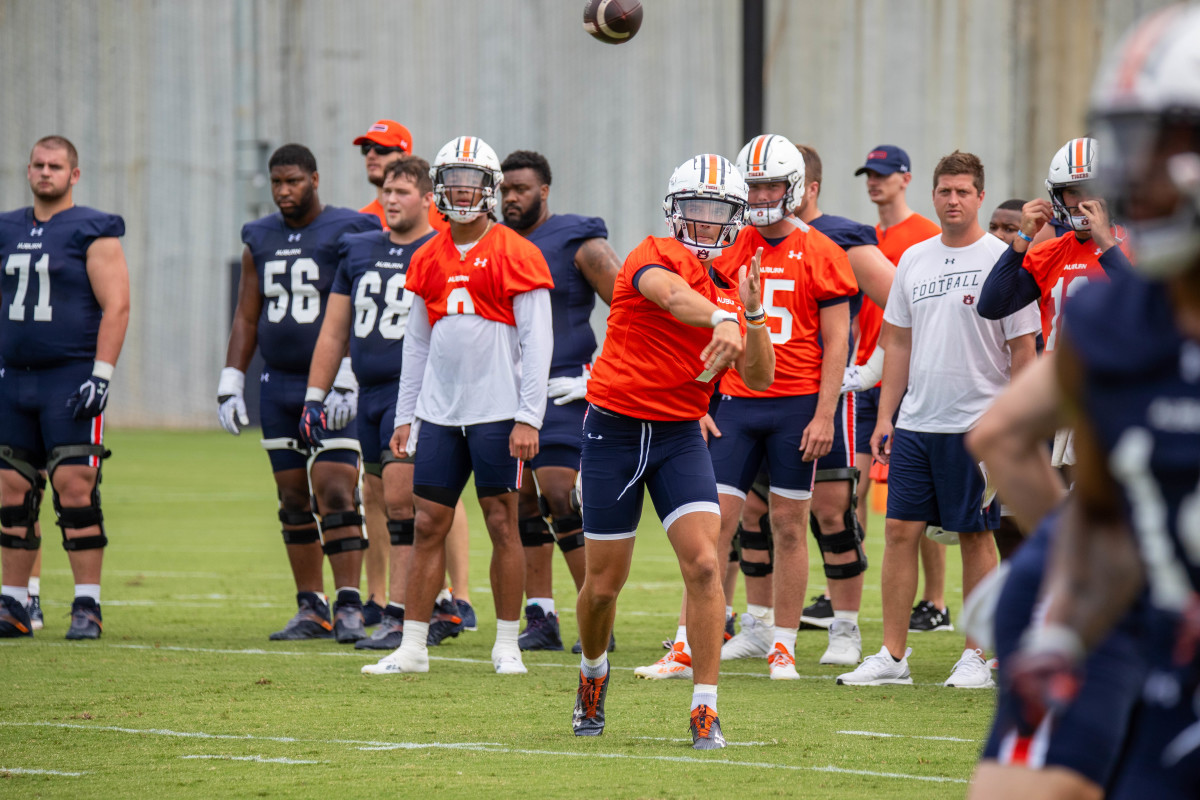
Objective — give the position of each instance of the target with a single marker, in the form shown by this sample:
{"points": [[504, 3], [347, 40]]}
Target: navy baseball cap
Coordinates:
{"points": [[886, 159]]}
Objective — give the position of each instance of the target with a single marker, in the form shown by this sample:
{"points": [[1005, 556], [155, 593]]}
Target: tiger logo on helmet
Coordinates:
{"points": [[466, 178], [706, 204]]}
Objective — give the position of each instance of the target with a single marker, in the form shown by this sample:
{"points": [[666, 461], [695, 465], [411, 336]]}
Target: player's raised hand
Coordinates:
{"points": [[1099, 222], [750, 284], [231, 405], [1034, 215]]}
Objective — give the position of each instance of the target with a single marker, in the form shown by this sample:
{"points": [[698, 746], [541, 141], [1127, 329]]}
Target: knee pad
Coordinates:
{"points": [[572, 541], [348, 544], [24, 516], [342, 519], [306, 535], [77, 517], [850, 538], [534, 532], [757, 540], [402, 532], [735, 545]]}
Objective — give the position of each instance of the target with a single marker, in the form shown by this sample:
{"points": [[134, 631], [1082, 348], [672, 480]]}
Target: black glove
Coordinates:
{"points": [[313, 425], [90, 398]]}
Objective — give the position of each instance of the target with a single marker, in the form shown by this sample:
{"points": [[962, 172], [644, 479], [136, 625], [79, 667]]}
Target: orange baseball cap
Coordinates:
{"points": [[388, 133]]}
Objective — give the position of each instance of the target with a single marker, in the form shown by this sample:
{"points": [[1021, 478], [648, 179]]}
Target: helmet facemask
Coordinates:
{"points": [[705, 225], [462, 193], [763, 215]]}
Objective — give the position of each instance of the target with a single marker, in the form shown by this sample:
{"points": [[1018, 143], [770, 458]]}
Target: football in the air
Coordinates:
{"points": [[612, 21]]}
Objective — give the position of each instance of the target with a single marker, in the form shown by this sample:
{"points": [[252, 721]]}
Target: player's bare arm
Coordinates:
{"points": [[895, 382], [756, 365], [1022, 352], [817, 439], [243, 336], [599, 265], [109, 277], [332, 342], [671, 293], [873, 272], [1034, 216], [1011, 439]]}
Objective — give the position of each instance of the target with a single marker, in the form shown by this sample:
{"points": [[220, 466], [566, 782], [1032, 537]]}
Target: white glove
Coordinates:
{"points": [[341, 404], [231, 405], [859, 378], [568, 389]]}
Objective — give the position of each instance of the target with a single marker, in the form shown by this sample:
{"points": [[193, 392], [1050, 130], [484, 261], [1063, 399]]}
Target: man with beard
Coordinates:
{"points": [[57, 354], [583, 266], [287, 270]]}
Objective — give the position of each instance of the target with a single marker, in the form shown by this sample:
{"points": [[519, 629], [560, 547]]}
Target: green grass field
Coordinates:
{"points": [[185, 697]]}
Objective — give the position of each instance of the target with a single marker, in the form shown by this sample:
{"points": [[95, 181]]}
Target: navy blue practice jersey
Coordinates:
{"points": [[572, 298], [1141, 395], [371, 271], [847, 233], [48, 312], [295, 271]]}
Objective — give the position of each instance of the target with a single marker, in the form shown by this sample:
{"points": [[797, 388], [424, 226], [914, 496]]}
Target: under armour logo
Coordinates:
{"points": [[396, 251], [795, 254], [293, 237], [481, 262], [264, 378], [36, 231], [595, 436], [949, 260], [969, 299]]}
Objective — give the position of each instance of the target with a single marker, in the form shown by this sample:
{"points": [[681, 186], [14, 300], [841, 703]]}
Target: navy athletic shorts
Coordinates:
{"points": [[560, 439], [280, 405], [755, 430], [36, 416], [447, 455], [932, 478]]}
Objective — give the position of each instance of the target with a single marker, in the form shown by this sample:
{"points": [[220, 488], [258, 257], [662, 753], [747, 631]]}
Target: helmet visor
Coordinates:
{"points": [[706, 210]]}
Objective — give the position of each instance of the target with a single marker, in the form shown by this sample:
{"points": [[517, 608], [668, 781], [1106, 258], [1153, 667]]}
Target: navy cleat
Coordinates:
{"points": [[577, 648], [311, 620], [35, 612], [348, 624], [588, 719], [706, 729], [467, 612], [444, 623], [819, 614], [729, 631], [541, 630], [372, 612], [86, 622], [387, 636], [14, 618]]}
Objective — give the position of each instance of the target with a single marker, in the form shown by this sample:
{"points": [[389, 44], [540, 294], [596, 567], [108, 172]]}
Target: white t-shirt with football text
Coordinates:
{"points": [[960, 361]]}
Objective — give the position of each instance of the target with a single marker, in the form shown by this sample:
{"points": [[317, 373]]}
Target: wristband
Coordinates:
{"points": [[1054, 638], [756, 316], [720, 316], [1022, 235], [315, 395], [102, 370]]}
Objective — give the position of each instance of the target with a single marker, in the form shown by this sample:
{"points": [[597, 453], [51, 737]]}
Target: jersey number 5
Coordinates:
{"points": [[18, 264], [305, 299]]}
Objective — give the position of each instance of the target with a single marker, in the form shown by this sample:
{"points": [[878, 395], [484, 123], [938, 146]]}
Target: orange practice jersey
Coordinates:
{"points": [[435, 217], [892, 242], [1061, 267], [483, 282], [799, 275], [650, 366]]}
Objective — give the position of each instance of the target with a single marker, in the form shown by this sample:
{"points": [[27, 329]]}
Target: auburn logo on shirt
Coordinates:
{"points": [[969, 299]]}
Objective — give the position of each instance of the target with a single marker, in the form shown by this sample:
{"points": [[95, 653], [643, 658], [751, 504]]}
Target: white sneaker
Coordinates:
{"points": [[845, 644], [399, 661], [675, 664], [879, 670], [782, 663], [754, 640], [971, 672], [508, 661]]}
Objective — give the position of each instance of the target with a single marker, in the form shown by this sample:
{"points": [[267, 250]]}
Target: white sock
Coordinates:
{"points": [[18, 593], [506, 633], [416, 639], [850, 615], [728, 612], [764, 614], [704, 694], [35, 585], [681, 636], [91, 590], [546, 603], [786, 637], [444, 594], [594, 667]]}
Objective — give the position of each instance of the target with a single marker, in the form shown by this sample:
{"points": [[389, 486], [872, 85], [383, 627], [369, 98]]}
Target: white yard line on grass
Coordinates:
{"points": [[23, 771], [487, 747], [907, 736], [259, 759]]}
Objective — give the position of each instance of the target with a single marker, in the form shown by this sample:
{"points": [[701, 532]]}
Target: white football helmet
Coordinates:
{"points": [[466, 162], [706, 190], [1073, 164], [767, 159], [1146, 106]]}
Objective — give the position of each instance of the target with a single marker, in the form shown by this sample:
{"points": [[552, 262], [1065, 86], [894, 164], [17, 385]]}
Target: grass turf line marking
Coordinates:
{"points": [[23, 771], [259, 759], [487, 747], [907, 736]]}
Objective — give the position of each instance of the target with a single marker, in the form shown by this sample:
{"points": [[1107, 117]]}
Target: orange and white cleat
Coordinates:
{"points": [[782, 663], [675, 664]]}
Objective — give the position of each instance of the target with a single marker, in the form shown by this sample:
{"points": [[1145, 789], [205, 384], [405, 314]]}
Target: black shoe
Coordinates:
{"points": [[588, 718], [372, 613], [577, 648], [926, 617], [706, 729], [817, 615], [541, 630], [14, 618], [85, 619], [348, 624], [389, 633], [311, 620], [444, 623], [35, 612]]}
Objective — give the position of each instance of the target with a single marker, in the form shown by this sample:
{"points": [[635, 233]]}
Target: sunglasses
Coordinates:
{"points": [[379, 149]]}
